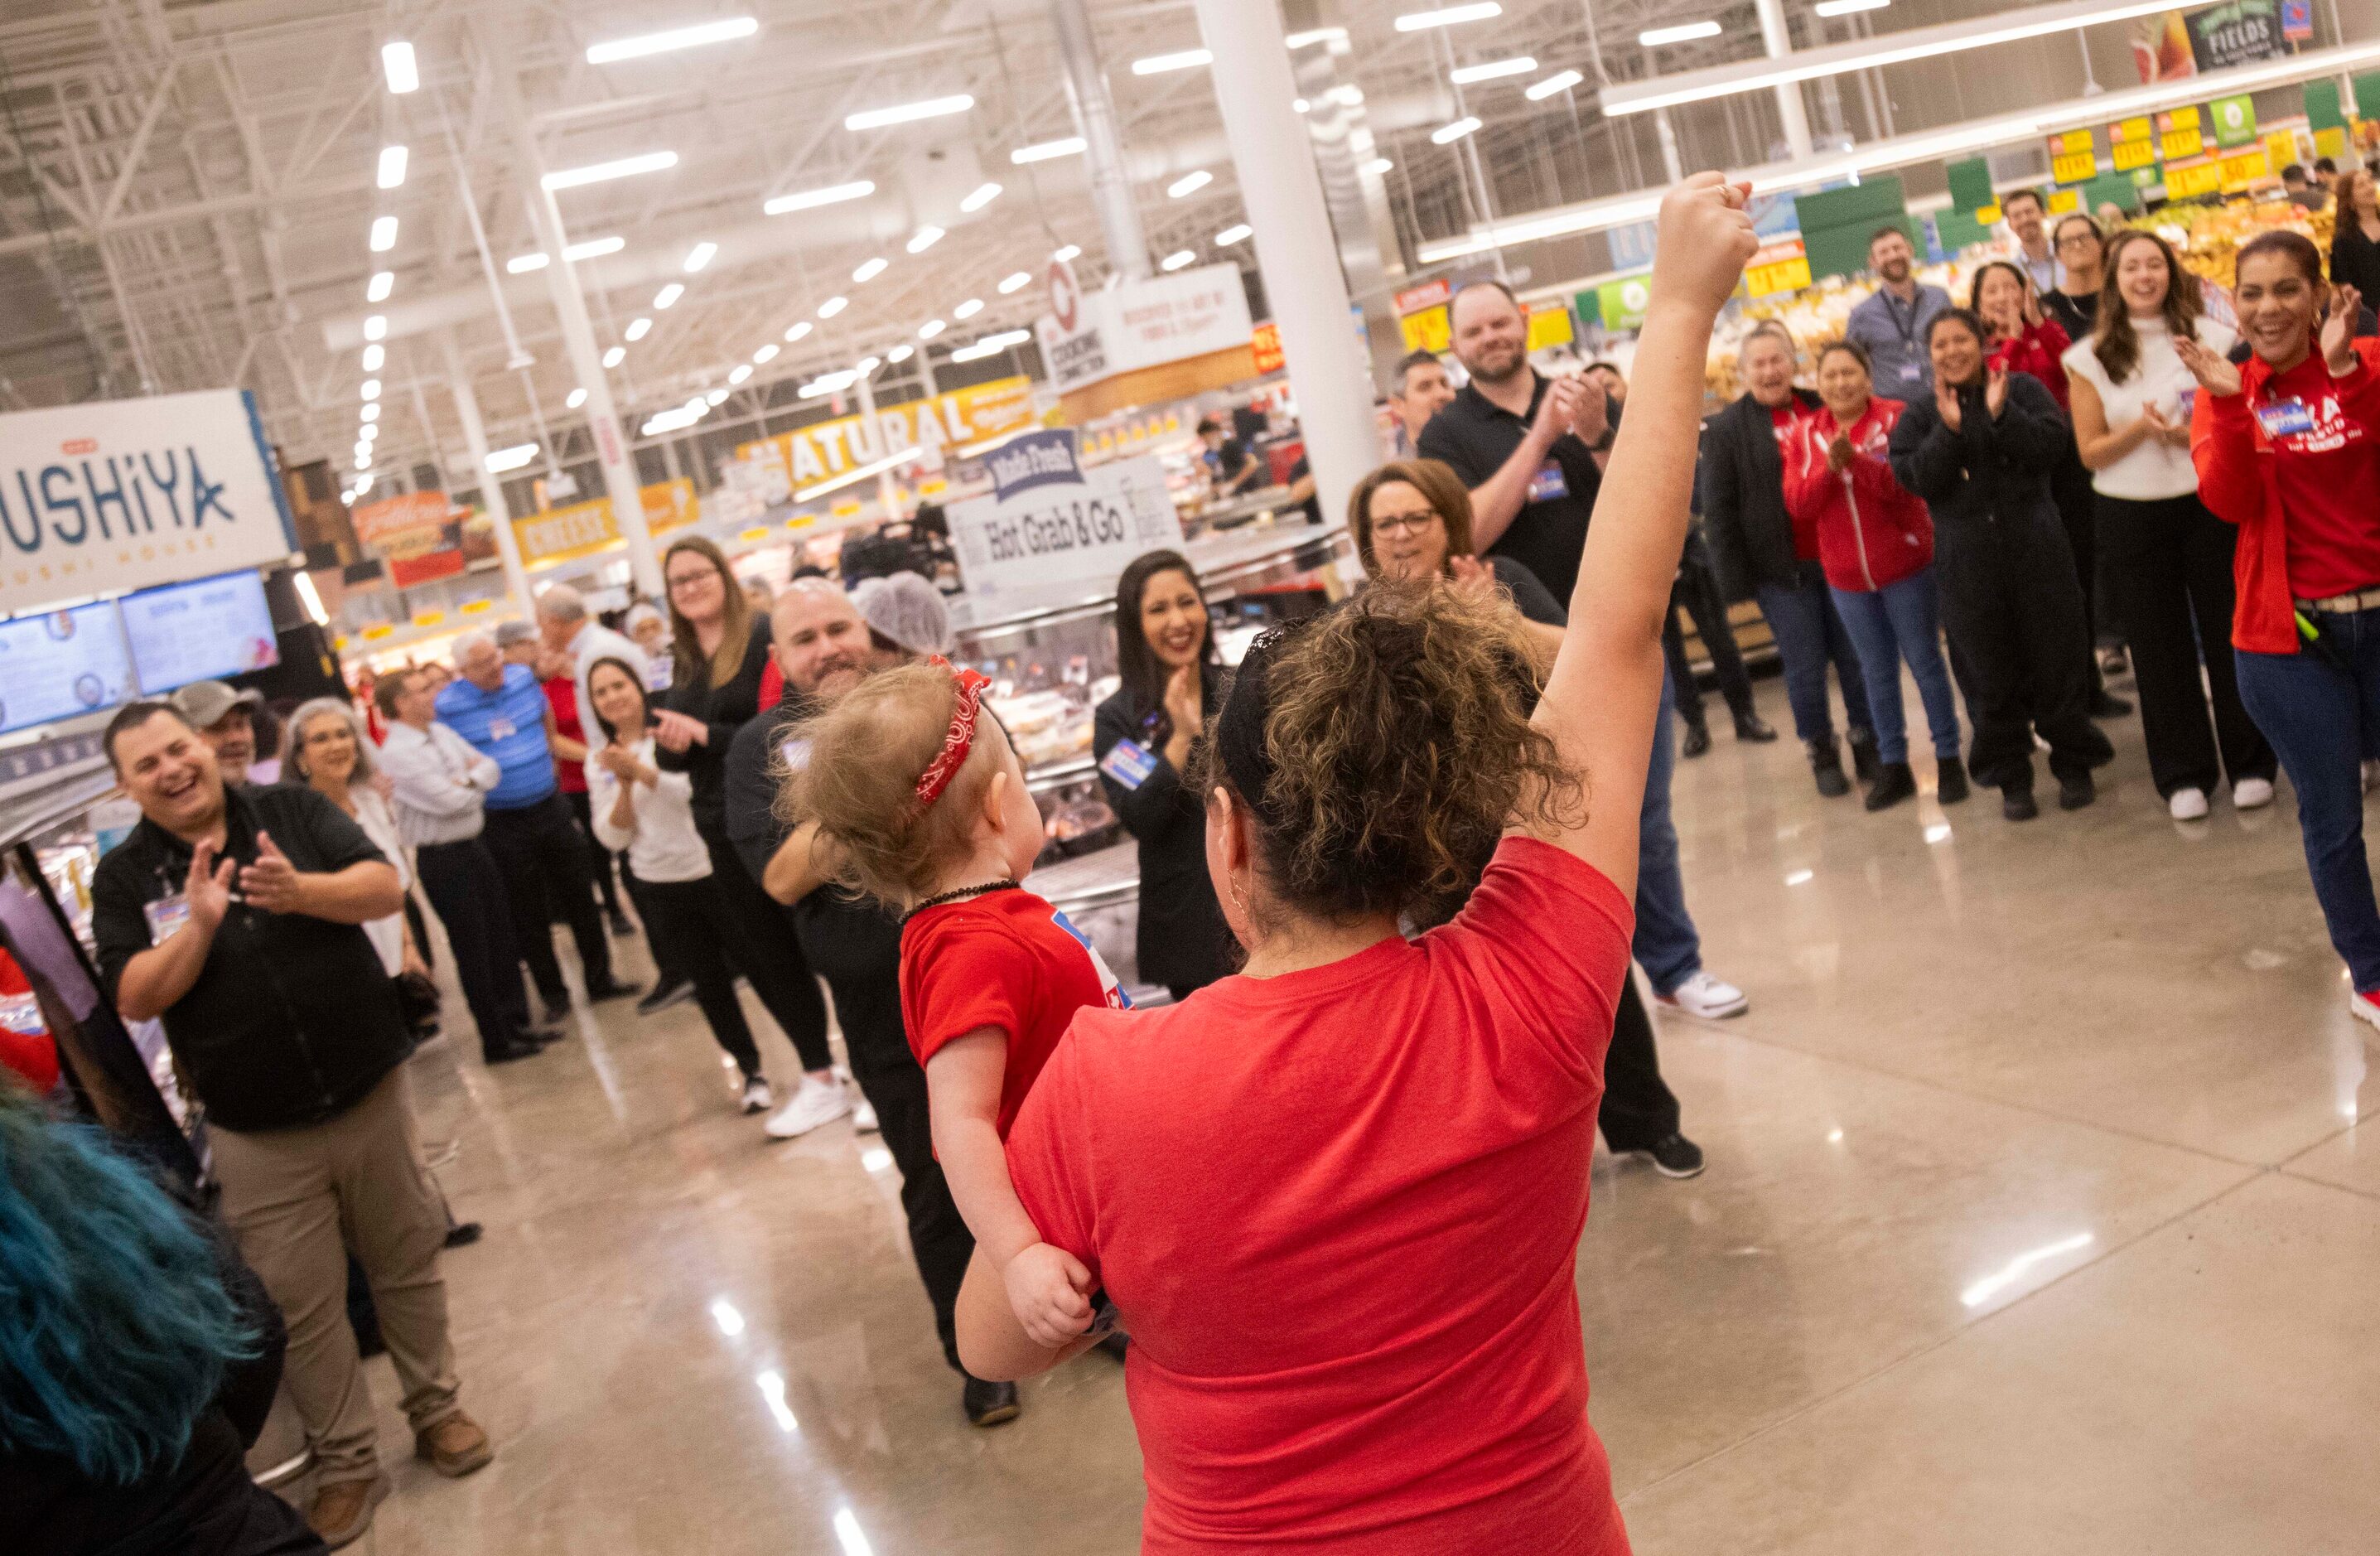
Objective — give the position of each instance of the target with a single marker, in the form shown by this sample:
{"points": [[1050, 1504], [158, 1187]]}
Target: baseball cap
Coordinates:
{"points": [[907, 611], [514, 632], [202, 704]]}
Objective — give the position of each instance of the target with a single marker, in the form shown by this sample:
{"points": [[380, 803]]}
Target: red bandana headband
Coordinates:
{"points": [[960, 738]]}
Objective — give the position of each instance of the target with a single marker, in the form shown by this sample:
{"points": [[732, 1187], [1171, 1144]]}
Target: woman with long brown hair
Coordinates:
{"points": [[2355, 240], [720, 652]]}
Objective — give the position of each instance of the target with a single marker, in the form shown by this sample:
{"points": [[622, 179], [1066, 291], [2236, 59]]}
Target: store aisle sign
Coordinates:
{"points": [[946, 422], [1778, 267], [582, 528], [1049, 521], [125, 493], [1430, 330], [1144, 325]]}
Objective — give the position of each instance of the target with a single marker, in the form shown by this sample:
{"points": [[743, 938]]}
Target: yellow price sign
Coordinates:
{"points": [[2063, 200], [2075, 168], [474, 607], [1987, 215], [801, 521], [2072, 141], [2123, 130], [2180, 143], [758, 532], [1426, 331], [2243, 169], [2281, 146], [2187, 183], [1781, 267], [428, 618], [1549, 326], [2331, 143], [2131, 155], [378, 630]]}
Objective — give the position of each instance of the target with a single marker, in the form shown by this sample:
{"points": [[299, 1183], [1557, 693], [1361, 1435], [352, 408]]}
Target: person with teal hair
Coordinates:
{"points": [[138, 1359]]}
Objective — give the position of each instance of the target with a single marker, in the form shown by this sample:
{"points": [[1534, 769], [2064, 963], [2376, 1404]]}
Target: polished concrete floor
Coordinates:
{"points": [[2038, 1219]]}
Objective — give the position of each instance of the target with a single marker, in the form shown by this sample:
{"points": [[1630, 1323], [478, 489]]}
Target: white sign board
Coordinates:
{"points": [[1140, 323], [1049, 521], [126, 493]]}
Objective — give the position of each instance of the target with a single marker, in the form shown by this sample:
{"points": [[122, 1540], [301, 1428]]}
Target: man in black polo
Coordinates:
{"points": [[1523, 444], [824, 647], [233, 914]]}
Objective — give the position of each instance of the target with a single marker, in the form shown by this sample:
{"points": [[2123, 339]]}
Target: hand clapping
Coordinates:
{"points": [[2214, 374], [271, 883], [2338, 331]]}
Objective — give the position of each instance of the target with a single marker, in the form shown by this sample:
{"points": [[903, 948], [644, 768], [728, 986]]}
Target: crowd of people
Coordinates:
{"points": [[1399, 1003]]}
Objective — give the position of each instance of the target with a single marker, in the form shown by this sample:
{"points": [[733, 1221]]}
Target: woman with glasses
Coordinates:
{"points": [[2075, 301]]}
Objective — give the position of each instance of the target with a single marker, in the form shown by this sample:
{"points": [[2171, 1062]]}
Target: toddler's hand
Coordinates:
{"points": [[1049, 1290]]}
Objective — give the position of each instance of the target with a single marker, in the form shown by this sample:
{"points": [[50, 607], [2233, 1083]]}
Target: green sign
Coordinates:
{"points": [[1620, 303], [1971, 184], [2235, 120], [2322, 105]]}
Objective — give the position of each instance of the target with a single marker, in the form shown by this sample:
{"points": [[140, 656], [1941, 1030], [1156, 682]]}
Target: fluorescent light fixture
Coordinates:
{"points": [[673, 420], [930, 328], [675, 38], [1493, 71], [833, 305], [371, 413], [1316, 35], [615, 356], [383, 234], [383, 282], [511, 458], [1448, 134], [392, 166], [363, 462], [371, 389], [870, 364], [1349, 94], [376, 327], [901, 353], [870, 269], [991, 345], [924, 239], [1560, 80], [1016, 281], [605, 171], [742, 371], [908, 112], [1684, 32], [363, 450], [807, 200], [794, 331], [521, 264], [1236, 233], [968, 309], [1414, 21], [982, 195], [396, 63], [699, 255], [766, 354], [1181, 59], [1177, 259], [577, 397], [1189, 184], [637, 329], [829, 382], [1848, 8], [363, 486], [668, 296], [1302, 106], [1048, 151], [593, 248], [1377, 166], [1069, 254]]}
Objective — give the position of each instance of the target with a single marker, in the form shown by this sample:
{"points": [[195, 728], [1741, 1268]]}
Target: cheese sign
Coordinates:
{"points": [[559, 534], [2075, 168]]}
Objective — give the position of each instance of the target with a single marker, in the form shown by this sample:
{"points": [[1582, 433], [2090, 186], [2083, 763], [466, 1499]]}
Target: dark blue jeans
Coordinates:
{"points": [[1902, 621], [1665, 940], [1809, 635], [2321, 717]]}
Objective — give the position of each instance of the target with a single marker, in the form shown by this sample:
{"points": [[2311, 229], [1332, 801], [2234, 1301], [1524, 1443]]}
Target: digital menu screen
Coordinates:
{"points": [[211, 629], [61, 665]]}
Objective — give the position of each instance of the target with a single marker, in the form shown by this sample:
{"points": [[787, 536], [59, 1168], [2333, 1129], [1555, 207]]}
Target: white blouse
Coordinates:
{"points": [[2152, 469], [664, 844], [378, 823]]}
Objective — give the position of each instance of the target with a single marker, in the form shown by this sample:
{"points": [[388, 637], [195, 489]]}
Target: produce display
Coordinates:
{"points": [[2208, 236]]}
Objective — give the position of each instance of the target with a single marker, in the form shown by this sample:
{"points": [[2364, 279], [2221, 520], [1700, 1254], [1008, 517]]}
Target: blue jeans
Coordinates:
{"points": [[2321, 717], [1665, 940], [1809, 634], [1902, 621]]}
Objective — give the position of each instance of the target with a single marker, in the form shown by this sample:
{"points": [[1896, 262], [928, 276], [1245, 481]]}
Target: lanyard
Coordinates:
{"points": [[1893, 306]]}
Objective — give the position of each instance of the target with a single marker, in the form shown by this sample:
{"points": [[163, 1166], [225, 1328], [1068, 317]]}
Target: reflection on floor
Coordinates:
{"points": [[2037, 1218]]}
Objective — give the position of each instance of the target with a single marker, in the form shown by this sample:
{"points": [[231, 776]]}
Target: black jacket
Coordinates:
{"points": [[2355, 258], [292, 1019], [726, 709], [1988, 472], [1741, 483], [1182, 942]]}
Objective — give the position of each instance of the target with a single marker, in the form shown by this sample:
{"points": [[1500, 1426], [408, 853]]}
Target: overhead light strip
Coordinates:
{"points": [[1048, 151], [906, 113], [605, 171], [1493, 71], [675, 38], [832, 194], [1416, 21]]}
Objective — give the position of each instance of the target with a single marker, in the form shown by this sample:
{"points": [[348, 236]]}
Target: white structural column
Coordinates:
{"points": [[492, 487], [579, 337], [888, 497], [1296, 253], [1086, 89], [1780, 42]]}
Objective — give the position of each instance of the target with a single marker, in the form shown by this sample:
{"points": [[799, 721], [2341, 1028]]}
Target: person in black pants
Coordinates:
{"points": [[824, 648], [1140, 737], [715, 690], [1980, 450], [1696, 592]]}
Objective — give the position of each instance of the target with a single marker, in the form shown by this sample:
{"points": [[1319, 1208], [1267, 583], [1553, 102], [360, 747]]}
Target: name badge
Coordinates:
{"points": [[2282, 418], [1912, 374], [500, 729], [796, 752], [165, 915], [21, 1014], [1128, 764], [1547, 484]]}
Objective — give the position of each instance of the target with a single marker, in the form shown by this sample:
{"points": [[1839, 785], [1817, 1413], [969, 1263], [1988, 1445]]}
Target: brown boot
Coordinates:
{"points": [[454, 1446], [343, 1510]]}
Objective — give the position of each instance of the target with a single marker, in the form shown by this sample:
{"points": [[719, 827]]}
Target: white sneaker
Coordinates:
{"points": [[816, 1102], [2188, 805], [863, 1117], [2362, 1008], [2252, 794], [1706, 996], [758, 1098]]}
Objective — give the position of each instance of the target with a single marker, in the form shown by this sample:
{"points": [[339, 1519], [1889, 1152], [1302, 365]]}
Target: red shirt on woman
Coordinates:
{"points": [[2037, 352], [1339, 1212], [1872, 531], [562, 695]]}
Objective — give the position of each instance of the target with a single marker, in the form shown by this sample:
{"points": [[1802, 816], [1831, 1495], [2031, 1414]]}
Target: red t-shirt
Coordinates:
{"points": [[2329, 475], [562, 695], [1339, 1212], [1005, 959], [1789, 419]]}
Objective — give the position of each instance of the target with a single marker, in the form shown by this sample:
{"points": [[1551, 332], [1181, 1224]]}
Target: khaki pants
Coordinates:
{"points": [[296, 1200]]}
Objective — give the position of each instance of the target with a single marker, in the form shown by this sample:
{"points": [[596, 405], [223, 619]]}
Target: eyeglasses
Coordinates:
{"points": [[1405, 523], [684, 580]]}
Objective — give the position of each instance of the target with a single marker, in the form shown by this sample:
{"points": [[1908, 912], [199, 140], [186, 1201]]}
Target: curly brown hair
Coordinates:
{"points": [[1390, 742]]}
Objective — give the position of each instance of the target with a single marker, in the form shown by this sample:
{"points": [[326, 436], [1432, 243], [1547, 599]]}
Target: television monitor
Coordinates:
{"points": [[62, 665], [209, 630]]}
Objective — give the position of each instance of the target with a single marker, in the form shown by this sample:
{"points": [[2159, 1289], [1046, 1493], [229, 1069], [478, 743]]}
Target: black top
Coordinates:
{"points": [[1476, 436], [1534, 600], [2076, 315], [1182, 941], [1988, 472], [1741, 479], [1311, 506], [2355, 258], [726, 709], [292, 1019]]}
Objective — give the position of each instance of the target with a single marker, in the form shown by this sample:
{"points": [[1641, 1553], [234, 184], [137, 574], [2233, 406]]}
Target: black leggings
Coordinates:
{"points": [[685, 922], [753, 932]]}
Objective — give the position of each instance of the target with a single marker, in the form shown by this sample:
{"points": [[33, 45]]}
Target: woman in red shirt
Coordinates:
{"points": [[2287, 447], [1336, 1198], [1876, 542]]}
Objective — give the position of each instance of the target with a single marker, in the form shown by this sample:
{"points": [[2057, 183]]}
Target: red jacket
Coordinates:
{"points": [[1871, 530], [2037, 352], [2235, 483]]}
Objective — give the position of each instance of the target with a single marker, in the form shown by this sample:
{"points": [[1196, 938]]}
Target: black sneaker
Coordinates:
{"points": [[505, 1054], [1864, 763], [1696, 742], [557, 1010], [1894, 783], [1827, 766], [1673, 1157], [2017, 805], [988, 1404], [665, 995], [2076, 792], [1949, 780], [1754, 728]]}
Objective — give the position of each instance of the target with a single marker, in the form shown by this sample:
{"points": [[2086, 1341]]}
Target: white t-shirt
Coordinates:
{"points": [[2154, 469], [372, 814], [664, 846]]}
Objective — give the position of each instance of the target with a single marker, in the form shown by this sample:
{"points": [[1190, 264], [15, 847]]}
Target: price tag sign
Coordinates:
{"points": [[2134, 154], [1426, 331], [2063, 200], [2198, 179], [2072, 141], [1780, 267], [2177, 144], [2241, 170], [2124, 130], [2075, 168]]}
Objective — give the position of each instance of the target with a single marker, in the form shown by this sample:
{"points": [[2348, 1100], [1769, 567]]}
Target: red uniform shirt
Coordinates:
{"points": [[1006, 960], [1788, 419], [2328, 469], [1339, 1212], [562, 695]]}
